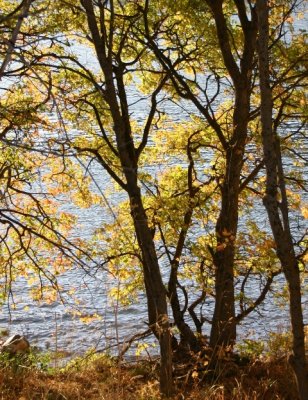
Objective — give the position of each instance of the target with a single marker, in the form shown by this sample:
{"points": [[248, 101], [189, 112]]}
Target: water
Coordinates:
{"points": [[62, 327], [59, 326], [54, 326], [69, 327]]}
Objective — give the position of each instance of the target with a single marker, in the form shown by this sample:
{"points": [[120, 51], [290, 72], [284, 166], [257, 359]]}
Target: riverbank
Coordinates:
{"points": [[99, 377]]}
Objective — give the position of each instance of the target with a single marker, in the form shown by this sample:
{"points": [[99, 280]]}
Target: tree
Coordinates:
{"points": [[278, 210], [114, 94], [112, 139], [237, 63], [92, 60], [226, 33], [20, 12], [34, 232]]}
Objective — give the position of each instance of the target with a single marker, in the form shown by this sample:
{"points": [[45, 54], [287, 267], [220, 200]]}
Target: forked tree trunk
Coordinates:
{"points": [[114, 95], [223, 332], [278, 211]]}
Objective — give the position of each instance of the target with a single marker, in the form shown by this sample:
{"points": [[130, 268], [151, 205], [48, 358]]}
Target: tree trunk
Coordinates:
{"points": [[155, 290], [115, 96], [223, 332], [188, 339], [278, 211]]}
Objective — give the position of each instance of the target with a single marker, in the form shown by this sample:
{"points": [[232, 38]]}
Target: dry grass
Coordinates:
{"points": [[100, 379]]}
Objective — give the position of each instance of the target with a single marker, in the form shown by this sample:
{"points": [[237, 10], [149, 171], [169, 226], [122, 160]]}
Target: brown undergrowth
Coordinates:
{"points": [[98, 377]]}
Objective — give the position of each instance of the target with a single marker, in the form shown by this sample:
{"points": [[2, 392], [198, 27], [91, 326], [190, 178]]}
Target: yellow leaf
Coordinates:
{"points": [[305, 212]]}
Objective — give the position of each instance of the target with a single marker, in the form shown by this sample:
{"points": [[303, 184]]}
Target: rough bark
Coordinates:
{"points": [[278, 210]]}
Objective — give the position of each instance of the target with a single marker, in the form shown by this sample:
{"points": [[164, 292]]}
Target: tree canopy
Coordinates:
{"points": [[164, 101]]}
